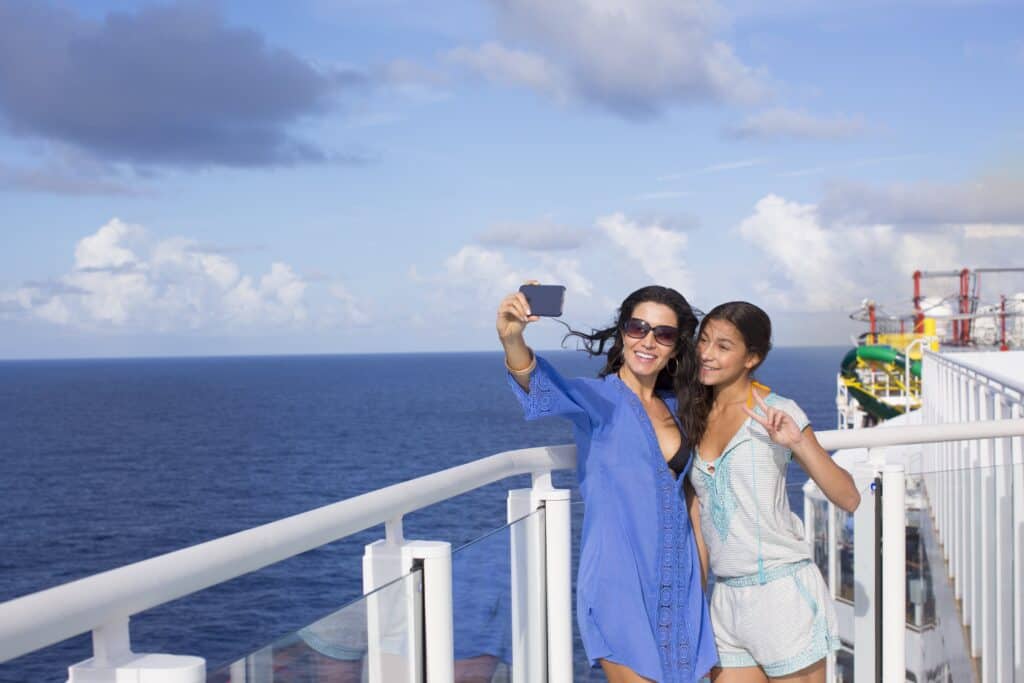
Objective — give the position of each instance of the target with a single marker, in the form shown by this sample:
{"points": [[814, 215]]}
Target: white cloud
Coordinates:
{"points": [[106, 248], [567, 271], [544, 235], [987, 231], [731, 165], [657, 250], [123, 279], [810, 266], [800, 249], [472, 281], [997, 199], [351, 309], [791, 124], [498, 63], [633, 57], [483, 269]]}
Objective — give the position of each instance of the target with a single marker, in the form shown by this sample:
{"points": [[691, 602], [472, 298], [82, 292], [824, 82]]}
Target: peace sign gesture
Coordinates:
{"points": [[781, 427]]}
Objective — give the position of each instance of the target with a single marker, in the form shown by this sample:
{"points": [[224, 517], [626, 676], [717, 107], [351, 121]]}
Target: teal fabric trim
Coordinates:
{"points": [[723, 499], [818, 651], [822, 642], [731, 660], [773, 574]]}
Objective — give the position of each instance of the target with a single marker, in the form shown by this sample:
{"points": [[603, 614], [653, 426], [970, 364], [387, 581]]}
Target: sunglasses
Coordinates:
{"points": [[666, 335]]}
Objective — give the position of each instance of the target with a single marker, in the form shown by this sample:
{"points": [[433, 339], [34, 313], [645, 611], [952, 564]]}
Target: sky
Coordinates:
{"points": [[366, 176]]}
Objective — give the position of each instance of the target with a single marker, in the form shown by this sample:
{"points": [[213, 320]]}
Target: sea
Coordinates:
{"points": [[108, 462]]}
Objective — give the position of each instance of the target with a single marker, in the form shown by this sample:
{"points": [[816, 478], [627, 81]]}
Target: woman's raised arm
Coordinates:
{"points": [[513, 317]]}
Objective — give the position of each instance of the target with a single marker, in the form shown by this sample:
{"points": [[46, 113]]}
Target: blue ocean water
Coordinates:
{"points": [[108, 462]]}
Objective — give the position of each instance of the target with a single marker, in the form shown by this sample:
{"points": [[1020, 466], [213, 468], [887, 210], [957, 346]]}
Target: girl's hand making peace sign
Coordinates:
{"points": [[781, 427]]}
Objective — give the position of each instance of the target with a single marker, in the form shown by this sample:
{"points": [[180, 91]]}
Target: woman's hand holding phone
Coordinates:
{"points": [[513, 316]]}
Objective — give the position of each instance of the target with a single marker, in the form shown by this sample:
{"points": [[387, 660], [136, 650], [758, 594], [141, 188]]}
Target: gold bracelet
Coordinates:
{"points": [[525, 371]]}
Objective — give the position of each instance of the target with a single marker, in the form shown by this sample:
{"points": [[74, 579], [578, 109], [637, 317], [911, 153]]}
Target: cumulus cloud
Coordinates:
{"points": [[472, 280], [659, 251], [809, 266], [791, 124], [994, 200], [495, 62], [166, 84], [544, 235], [800, 250], [123, 279], [619, 255], [635, 58], [987, 231]]}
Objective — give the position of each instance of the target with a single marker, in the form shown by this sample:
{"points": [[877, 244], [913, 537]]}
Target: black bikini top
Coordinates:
{"points": [[678, 461]]}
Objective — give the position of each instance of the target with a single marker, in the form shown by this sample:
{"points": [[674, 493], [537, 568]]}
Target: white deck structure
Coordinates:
{"points": [[965, 529], [971, 485]]}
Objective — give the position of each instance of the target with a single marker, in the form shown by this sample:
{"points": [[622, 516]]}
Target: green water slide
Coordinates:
{"points": [[882, 353]]}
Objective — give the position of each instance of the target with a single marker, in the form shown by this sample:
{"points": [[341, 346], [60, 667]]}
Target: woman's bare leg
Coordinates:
{"points": [[738, 674], [815, 673], [618, 673]]}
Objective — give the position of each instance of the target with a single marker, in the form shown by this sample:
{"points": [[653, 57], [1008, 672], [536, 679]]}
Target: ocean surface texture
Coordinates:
{"points": [[108, 462]]}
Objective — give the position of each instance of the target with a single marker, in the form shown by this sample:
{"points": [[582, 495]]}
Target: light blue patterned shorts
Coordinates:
{"points": [[783, 625]]}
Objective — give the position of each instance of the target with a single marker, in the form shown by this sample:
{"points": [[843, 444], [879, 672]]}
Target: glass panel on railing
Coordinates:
{"points": [[580, 665], [844, 551], [482, 573], [961, 571], [376, 637]]}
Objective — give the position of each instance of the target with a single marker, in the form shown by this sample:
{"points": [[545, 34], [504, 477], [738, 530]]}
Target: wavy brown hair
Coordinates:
{"points": [[681, 376]]}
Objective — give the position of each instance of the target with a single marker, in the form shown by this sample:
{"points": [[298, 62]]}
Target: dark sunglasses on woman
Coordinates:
{"points": [[666, 335]]}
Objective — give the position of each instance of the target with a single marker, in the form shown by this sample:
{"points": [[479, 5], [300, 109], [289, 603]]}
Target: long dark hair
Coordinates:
{"points": [[680, 374]]}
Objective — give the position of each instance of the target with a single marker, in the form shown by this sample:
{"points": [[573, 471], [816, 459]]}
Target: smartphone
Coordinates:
{"points": [[544, 300]]}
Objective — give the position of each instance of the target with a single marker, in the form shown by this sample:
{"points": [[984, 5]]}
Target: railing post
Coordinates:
{"points": [[113, 661], [987, 586], [866, 594], [1003, 622], [961, 480], [394, 631], [438, 623], [894, 569], [832, 575], [1017, 459], [410, 632], [529, 628], [972, 592], [541, 583], [558, 547]]}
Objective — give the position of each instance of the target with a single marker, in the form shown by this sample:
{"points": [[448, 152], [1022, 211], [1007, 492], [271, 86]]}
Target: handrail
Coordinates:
{"points": [[1007, 383], [882, 435], [41, 619]]}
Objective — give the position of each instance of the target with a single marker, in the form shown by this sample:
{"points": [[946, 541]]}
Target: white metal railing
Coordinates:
{"points": [[103, 603], [978, 504]]}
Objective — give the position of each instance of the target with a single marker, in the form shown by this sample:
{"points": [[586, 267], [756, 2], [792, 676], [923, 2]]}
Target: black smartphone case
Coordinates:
{"points": [[544, 300]]}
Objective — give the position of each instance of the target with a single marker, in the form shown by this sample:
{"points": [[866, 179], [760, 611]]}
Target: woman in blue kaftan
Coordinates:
{"points": [[639, 599]]}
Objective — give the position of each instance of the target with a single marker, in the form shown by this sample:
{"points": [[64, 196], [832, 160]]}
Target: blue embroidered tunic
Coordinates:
{"points": [[638, 591]]}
